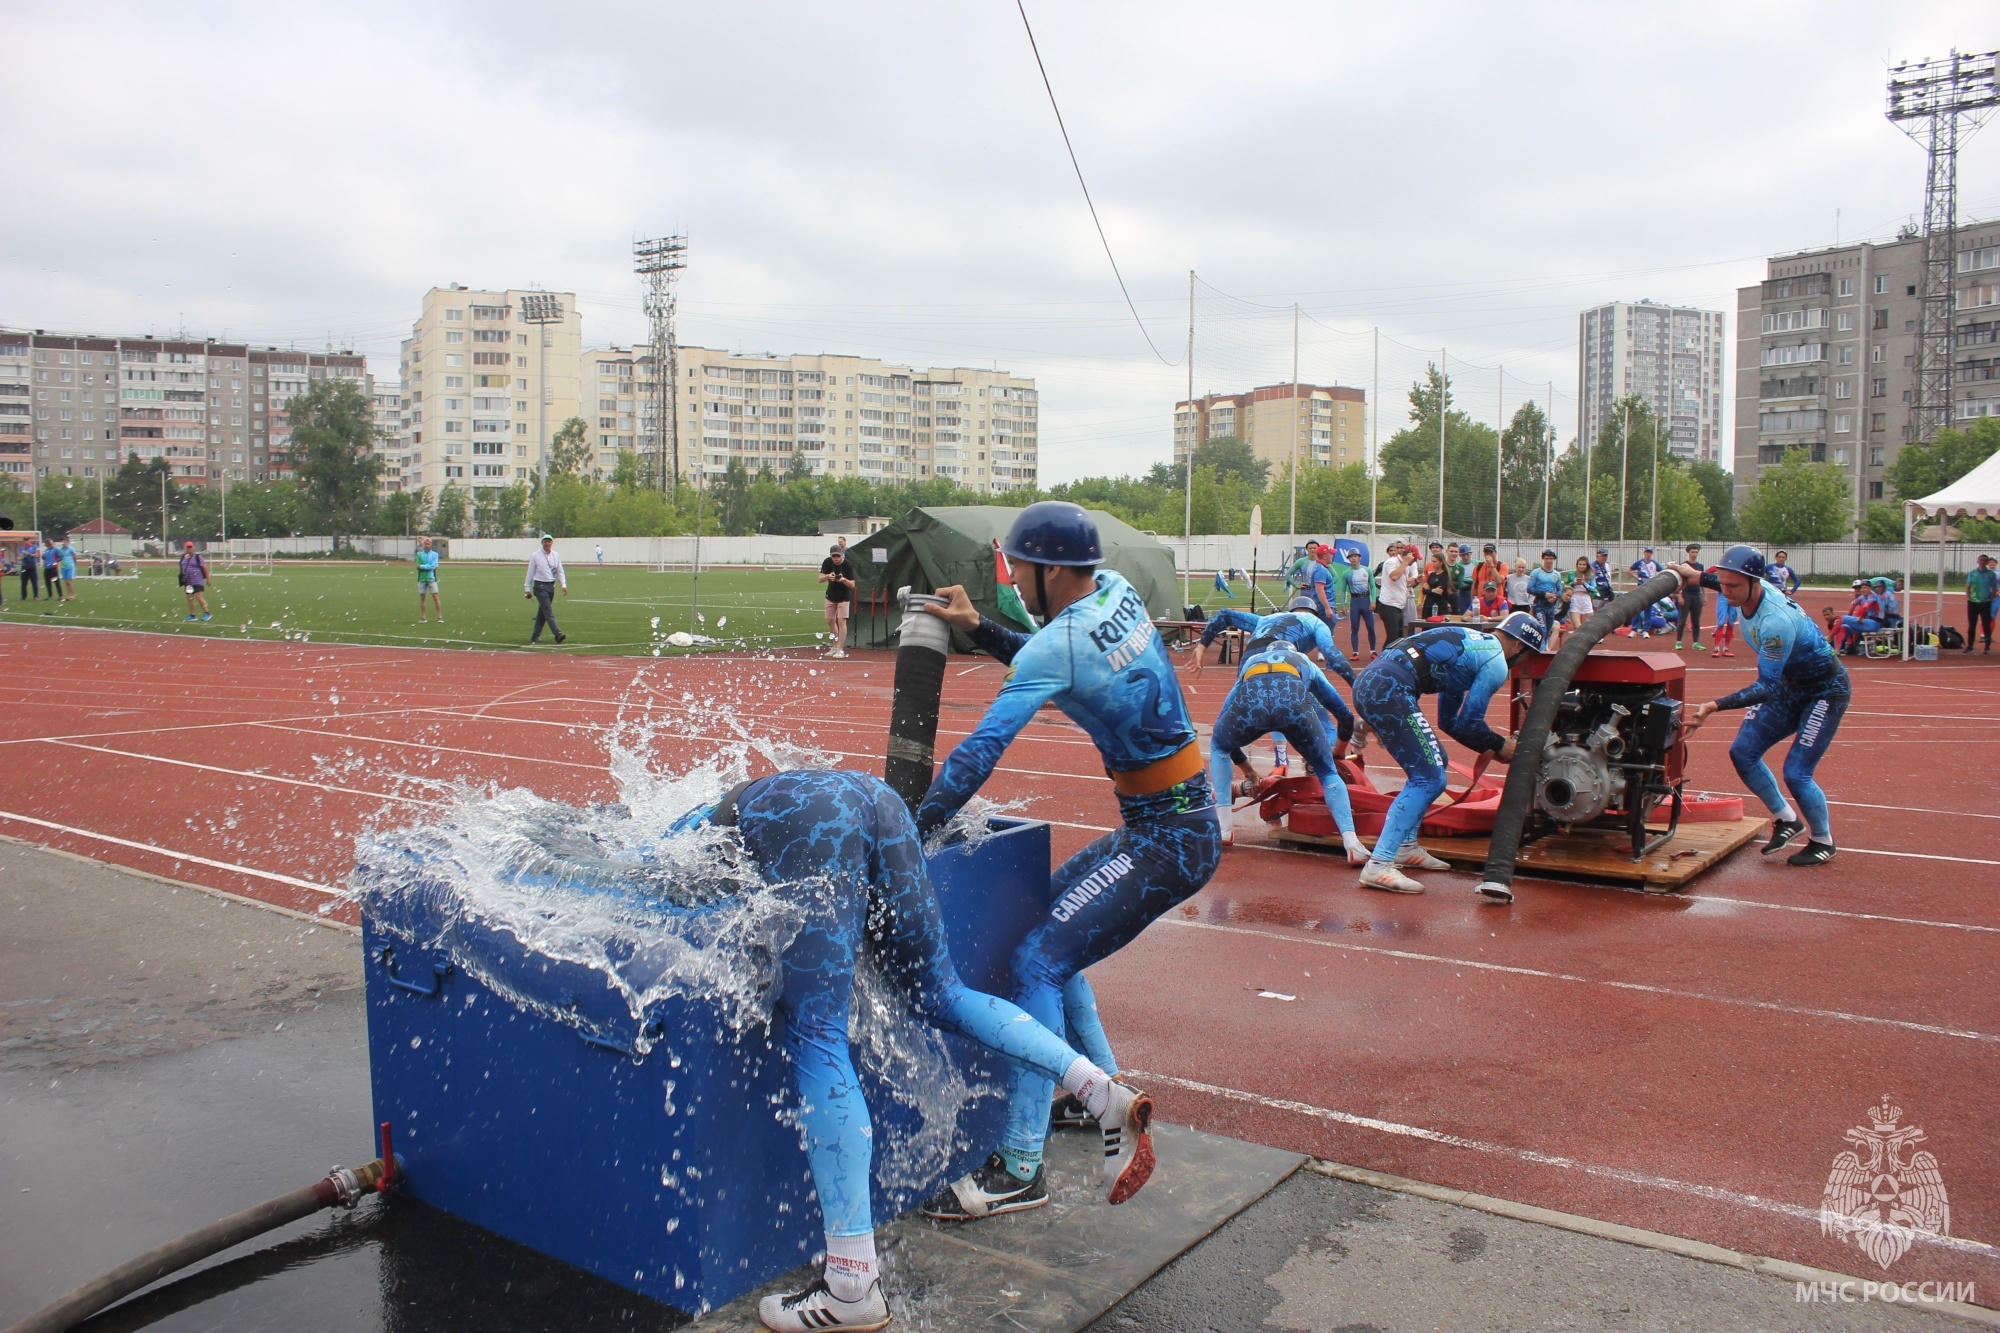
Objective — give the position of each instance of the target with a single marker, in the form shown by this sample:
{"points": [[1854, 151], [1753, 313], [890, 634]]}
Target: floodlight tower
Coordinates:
{"points": [[1939, 103], [660, 261], [541, 309]]}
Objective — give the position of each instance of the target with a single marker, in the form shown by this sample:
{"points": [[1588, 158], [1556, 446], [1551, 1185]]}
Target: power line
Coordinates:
{"points": [[1078, 168]]}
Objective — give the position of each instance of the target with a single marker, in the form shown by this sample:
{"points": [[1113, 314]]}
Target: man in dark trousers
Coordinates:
{"points": [[545, 571], [1692, 600]]}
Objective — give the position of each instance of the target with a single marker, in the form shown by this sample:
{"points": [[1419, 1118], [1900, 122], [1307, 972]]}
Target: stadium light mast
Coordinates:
{"points": [[660, 261], [541, 309], [1939, 103]]}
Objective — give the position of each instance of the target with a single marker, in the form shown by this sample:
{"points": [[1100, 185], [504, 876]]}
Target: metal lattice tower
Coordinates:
{"points": [[659, 262], [1939, 103]]}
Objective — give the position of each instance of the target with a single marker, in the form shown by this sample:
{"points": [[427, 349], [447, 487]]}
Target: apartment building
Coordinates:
{"points": [[483, 389], [210, 409], [1826, 354], [1328, 423], [388, 397], [1669, 355]]}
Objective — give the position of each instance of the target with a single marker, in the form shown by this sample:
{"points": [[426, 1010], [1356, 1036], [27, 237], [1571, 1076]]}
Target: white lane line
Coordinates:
{"points": [[210, 726], [1643, 988], [172, 855], [245, 773], [361, 738], [1924, 856], [1851, 916], [1624, 1175]]}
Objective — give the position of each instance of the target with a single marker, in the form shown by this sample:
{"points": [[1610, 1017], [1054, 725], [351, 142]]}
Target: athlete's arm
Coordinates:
{"points": [[1329, 698], [1464, 717], [1033, 681], [1336, 661], [1227, 618]]}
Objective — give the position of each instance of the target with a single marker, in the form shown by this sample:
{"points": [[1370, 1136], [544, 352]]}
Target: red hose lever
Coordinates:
{"points": [[388, 1179]]}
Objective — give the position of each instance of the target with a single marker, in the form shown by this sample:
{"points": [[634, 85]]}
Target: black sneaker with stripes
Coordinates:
{"points": [[1782, 833], [1069, 1113], [990, 1190], [1812, 854]]}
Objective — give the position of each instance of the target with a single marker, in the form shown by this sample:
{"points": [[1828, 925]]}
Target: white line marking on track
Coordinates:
{"points": [[363, 738], [172, 855], [1641, 987], [1852, 916], [246, 773], [1796, 1212]]}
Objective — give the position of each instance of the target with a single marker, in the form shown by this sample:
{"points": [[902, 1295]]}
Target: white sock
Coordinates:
{"points": [[1788, 814], [850, 1265], [1088, 1084]]}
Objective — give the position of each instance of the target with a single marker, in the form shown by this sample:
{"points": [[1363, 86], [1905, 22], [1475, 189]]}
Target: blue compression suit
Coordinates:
{"points": [[1301, 629], [1800, 687], [844, 846], [1276, 690], [1464, 668], [1101, 662]]}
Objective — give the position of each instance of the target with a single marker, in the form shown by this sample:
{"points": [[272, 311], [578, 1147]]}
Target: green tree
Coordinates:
{"points": [[132, 498], [1798, 502], [1409, 460], [569, 451], [448, 519], [731, 499], [1921, 469], [510, 508], [628, 474], [1526, 447], [1718, 488], [333, 426], [403, 512], [1231, 457], [1684, 513]]}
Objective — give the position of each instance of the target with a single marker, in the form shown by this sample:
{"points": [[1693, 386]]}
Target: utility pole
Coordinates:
{"points": [[163, 511], [1187, 522], [1499, 448], [1444, 379], [1548, 460], [1624, 471], [660, 261], [1292, 527], [541, 309], [1374, 416], [1939, 103]]}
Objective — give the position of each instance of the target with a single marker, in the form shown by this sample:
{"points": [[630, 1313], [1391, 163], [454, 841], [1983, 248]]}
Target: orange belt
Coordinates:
{"points": [[1266, 668], [1161, 774]]}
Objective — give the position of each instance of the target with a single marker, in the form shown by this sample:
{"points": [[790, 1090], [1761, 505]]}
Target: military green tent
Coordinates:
{"points": [[928, 549]]}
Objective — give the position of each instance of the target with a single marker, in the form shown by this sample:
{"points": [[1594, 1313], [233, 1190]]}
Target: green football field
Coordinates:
{"points": [[609, 610]]}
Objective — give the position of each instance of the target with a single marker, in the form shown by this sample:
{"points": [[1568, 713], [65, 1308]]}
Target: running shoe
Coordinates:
{"points": [[562, 638], [818, 1308], [1415, 857], [1782, 832], [1128, 1142], [206, 616], [1678, 646], [1812, 854], [990, 1190], [1382, 875], [192, 617], [1069, 1113], [1729, 652]]}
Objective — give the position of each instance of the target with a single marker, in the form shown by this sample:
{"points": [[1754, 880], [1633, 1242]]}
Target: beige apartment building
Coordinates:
{"points": [[838, 415], [483, 390], [1826, 355], [1326, 423]]}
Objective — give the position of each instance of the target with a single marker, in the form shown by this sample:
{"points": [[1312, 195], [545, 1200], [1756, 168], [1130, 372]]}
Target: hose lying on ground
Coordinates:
{"points": [[924, 642], [1533, 739], [342, 1185]]}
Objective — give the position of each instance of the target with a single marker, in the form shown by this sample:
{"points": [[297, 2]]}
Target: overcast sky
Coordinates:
{"points": [[888, 179]]}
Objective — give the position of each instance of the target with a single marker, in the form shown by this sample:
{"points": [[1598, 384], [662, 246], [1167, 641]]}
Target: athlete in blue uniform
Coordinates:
{"points": [[1298, 625], [1801, 688], [1464, 668], [1276, 690], [1099, 660], [845, 850]]}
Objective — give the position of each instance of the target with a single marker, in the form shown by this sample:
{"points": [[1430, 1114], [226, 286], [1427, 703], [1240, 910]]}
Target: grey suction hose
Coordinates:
{"points": [[1532, 741], [924, 641], [342, 1185]]}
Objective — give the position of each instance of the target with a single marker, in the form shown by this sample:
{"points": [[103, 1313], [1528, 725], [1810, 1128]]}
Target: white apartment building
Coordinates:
{"points": [[483, 389], [1669, 355]]}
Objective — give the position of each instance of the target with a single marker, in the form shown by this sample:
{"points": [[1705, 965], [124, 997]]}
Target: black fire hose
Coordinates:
{"points": [[925, 640], [1530, 743], [342, 1185]]}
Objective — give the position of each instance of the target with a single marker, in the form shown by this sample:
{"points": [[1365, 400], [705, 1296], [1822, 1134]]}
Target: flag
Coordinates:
{"points": [[1222, 586], [1004, 594]]}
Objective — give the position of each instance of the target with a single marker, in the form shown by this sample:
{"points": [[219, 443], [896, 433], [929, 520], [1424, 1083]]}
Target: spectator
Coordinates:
{"points": [[1642, 569], [545, 571], [1864, 616], [52, 571], [1545, 594], [1295, 574], [1781, 575], [31, 570], [1490, 569], [194, 581], [1356, 591], [1319, 583], [1980, 587], [839, 580], [1462, 572], [68, 569], [1440, 597], [1493, 598], [1518, 598], [600, 561], [1580, 606], [1892, 608], [1600, 575], [1392, 589], [427, 580], [1691, 599], [1438, 553]]}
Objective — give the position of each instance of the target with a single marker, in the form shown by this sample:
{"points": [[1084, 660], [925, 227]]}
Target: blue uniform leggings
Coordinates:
{"points": [[1100, 899], [1358, 615], [846, 846], [1282, 704], [1387, 699], [1814, 713]]}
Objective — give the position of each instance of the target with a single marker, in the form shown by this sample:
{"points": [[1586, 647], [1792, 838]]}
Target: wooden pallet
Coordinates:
{"points": [[1595, 854]]}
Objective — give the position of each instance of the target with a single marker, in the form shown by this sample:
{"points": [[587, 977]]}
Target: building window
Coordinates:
{"points": [[1875, 452], [1874, 490], [1881, 284], [1847, 286]]}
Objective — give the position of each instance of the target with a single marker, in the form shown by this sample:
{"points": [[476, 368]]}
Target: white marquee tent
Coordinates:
{"points": [[1976, 494]]}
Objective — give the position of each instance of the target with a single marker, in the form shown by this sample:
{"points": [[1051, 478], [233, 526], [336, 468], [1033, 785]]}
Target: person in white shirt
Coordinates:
{"points": [[600, 555], [1392, 591], [545, 571]]}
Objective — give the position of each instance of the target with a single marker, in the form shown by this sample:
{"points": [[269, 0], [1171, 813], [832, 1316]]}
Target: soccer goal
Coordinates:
{"points": [[240, 556], [674, 555], [105, 565]]}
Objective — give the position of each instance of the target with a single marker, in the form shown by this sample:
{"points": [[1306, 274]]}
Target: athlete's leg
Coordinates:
{"points": [[1086, 1029], [1764, 725], [1307, 729], [1225, 753], [1387, 700], [1819, 720]]}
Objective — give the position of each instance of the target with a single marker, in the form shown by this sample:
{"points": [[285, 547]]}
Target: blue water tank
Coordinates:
{"points": [[520, 1102]]}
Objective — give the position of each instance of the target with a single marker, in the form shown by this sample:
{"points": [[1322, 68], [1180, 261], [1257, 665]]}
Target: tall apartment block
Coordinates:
{"points": [[78, 405], [1669, 355], [1826, 354], [1328, 423], [483, 389], [841, 415]]}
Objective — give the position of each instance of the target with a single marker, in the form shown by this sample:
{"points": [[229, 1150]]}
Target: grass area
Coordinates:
{"points": [[609, 610]]}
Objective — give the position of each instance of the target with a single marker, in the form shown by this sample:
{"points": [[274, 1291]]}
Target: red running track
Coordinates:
{"points": [[1687, 1064]]}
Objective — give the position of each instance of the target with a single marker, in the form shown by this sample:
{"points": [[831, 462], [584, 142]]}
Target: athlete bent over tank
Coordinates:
{"points": [[1279, 690]]}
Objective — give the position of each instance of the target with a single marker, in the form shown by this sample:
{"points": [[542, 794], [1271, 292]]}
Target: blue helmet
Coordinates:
{"points": [[1525, 628], [1745, 560], [1054, 532], [1303, 602]]}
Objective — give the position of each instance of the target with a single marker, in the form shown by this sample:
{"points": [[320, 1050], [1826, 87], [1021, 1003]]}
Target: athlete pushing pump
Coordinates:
{"points": [[1464, 668], [1099, 660], [843, 849], [1298, 625], [1801, 688], [1276, 691]]}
